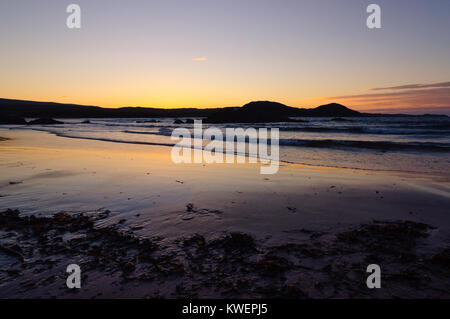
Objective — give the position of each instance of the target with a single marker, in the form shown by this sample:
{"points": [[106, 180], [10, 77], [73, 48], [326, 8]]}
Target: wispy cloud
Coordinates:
{"points": [[430, 98], [199, 59], [414, 86], [424, 92]]}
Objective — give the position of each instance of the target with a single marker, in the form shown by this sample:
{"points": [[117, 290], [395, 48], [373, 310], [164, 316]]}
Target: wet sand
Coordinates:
{"points": [[219, 230]]}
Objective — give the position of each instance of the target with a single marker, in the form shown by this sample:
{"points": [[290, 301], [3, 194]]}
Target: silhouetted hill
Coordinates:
{"points": [[332, 109], [266, 112], [254, 112], [31, 109], [267, 106], [13, 112]]}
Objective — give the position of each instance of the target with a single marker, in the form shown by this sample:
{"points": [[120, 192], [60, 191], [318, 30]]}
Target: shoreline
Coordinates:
{"points": [[281, 161], [70, 174]]}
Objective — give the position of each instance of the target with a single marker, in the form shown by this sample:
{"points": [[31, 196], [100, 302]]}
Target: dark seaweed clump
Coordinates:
{"points": [[35, 251]]}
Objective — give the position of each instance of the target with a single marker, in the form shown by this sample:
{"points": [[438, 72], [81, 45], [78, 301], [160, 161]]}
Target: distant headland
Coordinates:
{"points": [[14, 112]]}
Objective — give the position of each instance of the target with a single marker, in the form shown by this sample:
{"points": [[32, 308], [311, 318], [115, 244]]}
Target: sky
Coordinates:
{"points": [[216, 53]]}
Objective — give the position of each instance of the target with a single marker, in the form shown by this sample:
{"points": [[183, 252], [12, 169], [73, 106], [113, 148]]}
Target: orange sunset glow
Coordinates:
{"points": [[209, 55]]}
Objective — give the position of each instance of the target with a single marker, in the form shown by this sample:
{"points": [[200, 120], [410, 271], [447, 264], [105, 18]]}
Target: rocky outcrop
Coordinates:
{"points": [[44, 121]]}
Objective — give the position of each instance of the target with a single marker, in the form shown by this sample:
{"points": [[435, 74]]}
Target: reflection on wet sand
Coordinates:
{"points": [[283, 223]]}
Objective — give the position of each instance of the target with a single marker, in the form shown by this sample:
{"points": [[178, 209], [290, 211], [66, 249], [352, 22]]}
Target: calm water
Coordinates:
{"points": [[418, 144]]}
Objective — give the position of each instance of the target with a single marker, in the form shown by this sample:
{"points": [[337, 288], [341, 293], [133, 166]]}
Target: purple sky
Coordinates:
{"points": [[208, 53]]}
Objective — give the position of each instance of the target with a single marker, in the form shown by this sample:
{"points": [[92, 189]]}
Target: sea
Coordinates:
{"points": [[410, 144]]}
